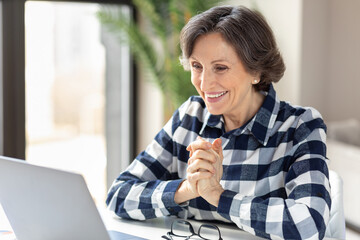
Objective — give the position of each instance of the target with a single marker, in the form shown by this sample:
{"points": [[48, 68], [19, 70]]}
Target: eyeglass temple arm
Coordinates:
{"points": [[166, 237]]}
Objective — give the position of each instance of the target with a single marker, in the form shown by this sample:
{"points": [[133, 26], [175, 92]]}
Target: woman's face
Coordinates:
{"points": [[220, 77]]}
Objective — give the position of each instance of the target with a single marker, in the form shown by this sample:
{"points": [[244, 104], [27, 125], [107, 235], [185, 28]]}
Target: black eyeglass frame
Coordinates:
{"points": [[193, 233]]}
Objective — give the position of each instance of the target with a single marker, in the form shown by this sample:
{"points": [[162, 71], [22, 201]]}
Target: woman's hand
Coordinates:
{"points": [[196, 171], [205, 159]]}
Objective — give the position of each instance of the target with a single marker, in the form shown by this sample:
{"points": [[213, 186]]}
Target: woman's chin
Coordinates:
{"points": [[214, 111]]}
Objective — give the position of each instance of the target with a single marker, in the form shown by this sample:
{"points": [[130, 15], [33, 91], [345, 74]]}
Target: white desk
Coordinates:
{"points": [[155, 228], [150, 229]]}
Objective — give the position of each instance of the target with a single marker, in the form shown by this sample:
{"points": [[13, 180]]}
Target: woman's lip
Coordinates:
{"points": [[213, 97]]}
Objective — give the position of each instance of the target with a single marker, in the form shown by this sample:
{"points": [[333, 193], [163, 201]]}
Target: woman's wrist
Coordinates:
{"points": [[213, 196], [184, 193]]}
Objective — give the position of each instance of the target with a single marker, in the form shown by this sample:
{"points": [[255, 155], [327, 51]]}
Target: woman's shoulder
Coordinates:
{"points": [[300, 115], [297, 123]]}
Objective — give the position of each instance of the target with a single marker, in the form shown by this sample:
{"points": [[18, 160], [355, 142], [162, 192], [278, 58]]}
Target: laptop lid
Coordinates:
{"points": [[46, 203]]}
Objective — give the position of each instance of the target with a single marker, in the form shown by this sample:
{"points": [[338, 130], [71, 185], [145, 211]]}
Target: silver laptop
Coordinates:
{"points": [[45, 203]]}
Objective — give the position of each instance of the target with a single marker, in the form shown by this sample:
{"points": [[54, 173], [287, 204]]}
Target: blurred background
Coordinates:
{"points": [[86, 85]]}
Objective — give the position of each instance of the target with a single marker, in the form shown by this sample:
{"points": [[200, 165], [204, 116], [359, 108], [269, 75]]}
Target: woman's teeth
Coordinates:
{"points": [[216, 95]]}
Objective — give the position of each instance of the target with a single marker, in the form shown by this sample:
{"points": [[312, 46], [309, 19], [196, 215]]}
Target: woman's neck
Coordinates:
{"points": [[233, 121]]}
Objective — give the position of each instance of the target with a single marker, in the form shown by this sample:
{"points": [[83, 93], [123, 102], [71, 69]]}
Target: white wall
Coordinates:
{"points": [[329, 62], [314, 54], [343, 81]]}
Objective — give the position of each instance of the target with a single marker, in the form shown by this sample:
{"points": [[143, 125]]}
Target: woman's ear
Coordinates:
{"points": [[256, 78]]}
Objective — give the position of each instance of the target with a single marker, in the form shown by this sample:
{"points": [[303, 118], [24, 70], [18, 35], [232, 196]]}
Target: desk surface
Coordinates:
{"points": [[160, 226], [149, 229]]}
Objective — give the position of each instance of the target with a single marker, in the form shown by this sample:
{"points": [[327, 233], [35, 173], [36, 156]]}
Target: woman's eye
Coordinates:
{"points": [[196, 66], [220, 68]]}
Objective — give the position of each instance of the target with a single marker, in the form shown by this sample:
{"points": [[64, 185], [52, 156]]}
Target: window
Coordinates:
{"points": [[78, 109]]}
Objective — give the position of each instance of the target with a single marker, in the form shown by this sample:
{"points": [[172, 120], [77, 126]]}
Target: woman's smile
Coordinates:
{"points": [[213, 97]]}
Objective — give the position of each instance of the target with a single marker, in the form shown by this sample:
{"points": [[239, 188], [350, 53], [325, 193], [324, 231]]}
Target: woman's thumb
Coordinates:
{"points": [[217, 145]]}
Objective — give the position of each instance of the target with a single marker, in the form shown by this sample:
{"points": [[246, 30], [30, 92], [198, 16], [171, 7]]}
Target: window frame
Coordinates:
{"points": [[13, 78]]}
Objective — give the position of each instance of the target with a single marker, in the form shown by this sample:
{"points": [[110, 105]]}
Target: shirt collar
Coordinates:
{"points": [[259, 126], [264, 120], [213, 121]]}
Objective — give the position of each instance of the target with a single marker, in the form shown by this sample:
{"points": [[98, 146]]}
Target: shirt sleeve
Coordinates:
{"points": [[304, 213], [147, 187]]}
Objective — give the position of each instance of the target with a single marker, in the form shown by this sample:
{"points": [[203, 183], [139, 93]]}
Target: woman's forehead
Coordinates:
{"points": [[213, 47]]}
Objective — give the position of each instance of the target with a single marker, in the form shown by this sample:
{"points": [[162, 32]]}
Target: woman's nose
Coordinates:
{"points": [[207, 80]]}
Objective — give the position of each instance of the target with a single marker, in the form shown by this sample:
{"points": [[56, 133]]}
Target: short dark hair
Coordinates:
{"points": [[247, 31]]}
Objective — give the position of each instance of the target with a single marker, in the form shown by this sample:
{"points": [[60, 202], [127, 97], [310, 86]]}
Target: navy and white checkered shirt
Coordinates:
{"points": [[275, 172]]}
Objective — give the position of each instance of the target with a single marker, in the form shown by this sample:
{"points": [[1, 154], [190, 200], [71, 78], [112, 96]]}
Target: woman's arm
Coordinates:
{"points": [[303, 215], [304, 212], [145, 190], [147, 187]]}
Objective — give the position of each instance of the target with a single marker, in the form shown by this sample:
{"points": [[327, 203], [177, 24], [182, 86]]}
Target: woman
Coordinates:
{"points": [[235, 153]]}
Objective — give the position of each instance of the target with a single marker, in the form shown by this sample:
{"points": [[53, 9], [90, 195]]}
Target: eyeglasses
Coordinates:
{"points": [[182, 228]]}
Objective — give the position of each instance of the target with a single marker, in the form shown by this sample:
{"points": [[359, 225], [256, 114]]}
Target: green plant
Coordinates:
{"points": [[156, 46]]}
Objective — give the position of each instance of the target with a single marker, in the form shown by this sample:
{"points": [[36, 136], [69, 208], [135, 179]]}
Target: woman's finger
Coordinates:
{"points": [[199, 143], [216, 145], [209, 155], [194, 177], [198, 164]]}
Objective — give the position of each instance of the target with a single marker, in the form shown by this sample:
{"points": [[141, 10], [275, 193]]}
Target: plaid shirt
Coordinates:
{"points": [[275, 172]]}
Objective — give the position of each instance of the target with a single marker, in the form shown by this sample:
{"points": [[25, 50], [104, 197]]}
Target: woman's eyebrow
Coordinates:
{"points": [[212, 62], [219, 60]]}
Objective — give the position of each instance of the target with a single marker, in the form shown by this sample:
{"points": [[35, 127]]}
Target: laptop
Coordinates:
{"points": [[45, 203]]}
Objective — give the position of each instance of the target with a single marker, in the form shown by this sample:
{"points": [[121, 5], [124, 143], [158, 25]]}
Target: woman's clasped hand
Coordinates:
{"points": [[205, 169]]}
